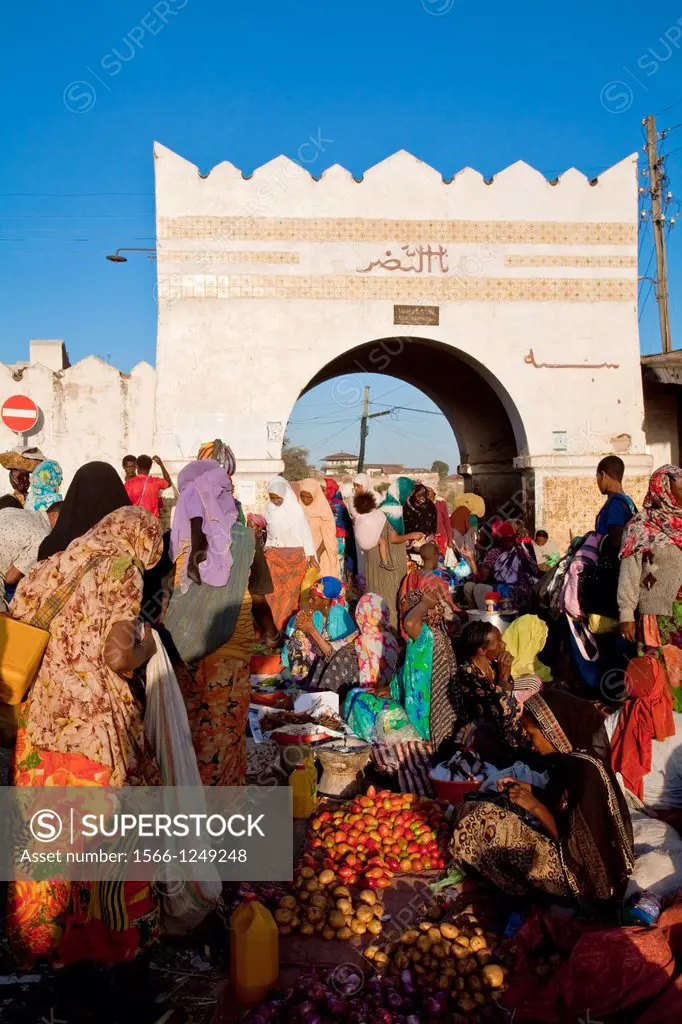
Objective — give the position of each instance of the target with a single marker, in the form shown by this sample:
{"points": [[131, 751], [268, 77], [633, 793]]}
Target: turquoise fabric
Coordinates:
{"points": [[411, 687], [361, 709]]}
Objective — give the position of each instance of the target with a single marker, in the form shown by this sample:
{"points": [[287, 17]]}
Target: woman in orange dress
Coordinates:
{"points": [[82, 725]]}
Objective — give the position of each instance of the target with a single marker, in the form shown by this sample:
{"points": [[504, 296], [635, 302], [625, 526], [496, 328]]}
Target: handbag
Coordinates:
{"points": [[23, 644], [204, 618], [598, 585]]}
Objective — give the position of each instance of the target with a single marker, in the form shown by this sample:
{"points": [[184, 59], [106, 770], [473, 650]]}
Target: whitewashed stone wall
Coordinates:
{"points": [[89, 411]]}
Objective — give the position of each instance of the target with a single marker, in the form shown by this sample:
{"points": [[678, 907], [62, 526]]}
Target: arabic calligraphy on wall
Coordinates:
{"points": [[531, 361], [417, 260]]}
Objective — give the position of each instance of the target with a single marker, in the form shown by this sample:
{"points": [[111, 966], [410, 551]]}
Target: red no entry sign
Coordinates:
{"points": [[19, 413]]}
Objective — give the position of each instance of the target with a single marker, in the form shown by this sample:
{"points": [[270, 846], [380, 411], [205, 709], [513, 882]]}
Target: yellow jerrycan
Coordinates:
{"points": [[254, 951]]}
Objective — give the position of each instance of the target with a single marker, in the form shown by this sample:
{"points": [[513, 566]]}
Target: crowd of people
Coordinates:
{"points": [[380, 598]]}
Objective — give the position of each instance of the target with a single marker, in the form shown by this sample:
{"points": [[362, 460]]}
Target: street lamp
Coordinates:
{"points": [[117, 258]]}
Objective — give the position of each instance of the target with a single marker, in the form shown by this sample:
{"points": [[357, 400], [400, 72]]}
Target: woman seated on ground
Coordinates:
{"points": [[377, 650], [579, 845], [319, 649], [488, 713], [508, 568], [423, 685]]}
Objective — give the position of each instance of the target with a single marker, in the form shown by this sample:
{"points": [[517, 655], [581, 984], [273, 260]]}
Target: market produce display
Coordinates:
{"points": [[370, 839], [321, 905], [449, 962]]}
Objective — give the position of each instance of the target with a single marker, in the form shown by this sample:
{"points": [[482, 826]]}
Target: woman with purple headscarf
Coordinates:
{"points": [[211, 549]]}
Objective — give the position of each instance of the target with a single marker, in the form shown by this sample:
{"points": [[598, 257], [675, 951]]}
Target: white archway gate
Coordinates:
{"points": [[511, 303]]}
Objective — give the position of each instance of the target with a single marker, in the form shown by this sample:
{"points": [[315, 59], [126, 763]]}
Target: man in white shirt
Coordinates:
{"points": [[21, 534]]}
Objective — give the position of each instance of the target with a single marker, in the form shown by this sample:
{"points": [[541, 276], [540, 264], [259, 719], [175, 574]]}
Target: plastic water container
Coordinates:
{"points": [[254, 951], [645, 908], [303, 782]]}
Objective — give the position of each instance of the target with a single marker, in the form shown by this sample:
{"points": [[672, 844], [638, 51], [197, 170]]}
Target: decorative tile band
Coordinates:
{"points": [[211, 256], [570, 261], [348, 229], [490, 289]]}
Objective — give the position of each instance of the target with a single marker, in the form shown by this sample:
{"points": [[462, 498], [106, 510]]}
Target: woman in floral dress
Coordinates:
{"points": [[82, 725]]}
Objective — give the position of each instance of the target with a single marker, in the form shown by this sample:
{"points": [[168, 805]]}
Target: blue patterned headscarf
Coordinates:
{"points": [[44, 492]]}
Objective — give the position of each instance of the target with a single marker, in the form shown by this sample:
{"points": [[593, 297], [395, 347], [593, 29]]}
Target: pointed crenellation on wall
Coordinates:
{"points": [[399, 186]]}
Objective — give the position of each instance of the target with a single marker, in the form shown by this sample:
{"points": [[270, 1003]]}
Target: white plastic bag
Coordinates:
{"points": [[166, 728]]}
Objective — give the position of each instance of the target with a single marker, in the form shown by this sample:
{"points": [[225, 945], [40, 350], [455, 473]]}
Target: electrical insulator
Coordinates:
{"points": [[670, 195], [672, 221]]}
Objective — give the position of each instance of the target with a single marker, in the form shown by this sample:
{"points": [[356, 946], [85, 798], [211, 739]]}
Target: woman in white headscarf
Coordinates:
{"points": [[289, 549]]}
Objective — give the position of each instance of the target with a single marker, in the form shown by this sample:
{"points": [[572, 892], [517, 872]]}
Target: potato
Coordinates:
{"points": [[401, 961], [288, 903], [314, 914], [381, 959], [371, 952], [342, 892], [424, 926], [434, 934], [478, 931], [477, 943], [283, 916], [493, 976], [307, 928], [462, 940], [307, 873], [312, 885], [435, 912], [318, 900], [424, 943], [358, 927], [344, 934], [466, 1004], [409, 937], [285, 929], [336, 919], [474, 983], [479, 998], [460, 984], [374, 927], [484, 957], [328, 933], [438, 951], [345, 906], [468, 966], [418, 969], [460, 952], [364, 913], [449, 931], [304, 897], [378, 910], [326, 877], [450, 970], [368, 896]]}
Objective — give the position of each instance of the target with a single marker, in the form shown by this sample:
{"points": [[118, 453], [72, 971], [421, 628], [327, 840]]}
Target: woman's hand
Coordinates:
{"points": [[415, 536], [504, 665], [520, 793], [627, 631], [304, 621]]}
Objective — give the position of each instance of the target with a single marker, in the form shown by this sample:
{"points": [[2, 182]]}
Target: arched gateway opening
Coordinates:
{"points": [[484, 419]]}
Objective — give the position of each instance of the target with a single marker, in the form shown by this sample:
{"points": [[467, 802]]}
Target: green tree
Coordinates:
{"points": [[441, 468], [295, 459]]}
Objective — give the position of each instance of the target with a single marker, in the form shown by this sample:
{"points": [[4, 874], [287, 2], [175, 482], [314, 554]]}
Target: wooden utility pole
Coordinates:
{"points": [[657, 224], [364, 427], [364, 430]]}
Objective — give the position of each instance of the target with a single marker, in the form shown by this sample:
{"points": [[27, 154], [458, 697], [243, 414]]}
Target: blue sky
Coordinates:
{"points": [[88, 87]]}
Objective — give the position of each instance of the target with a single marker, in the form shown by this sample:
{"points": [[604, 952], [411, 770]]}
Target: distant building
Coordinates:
{"points": [[384, 468], [339, 461]]}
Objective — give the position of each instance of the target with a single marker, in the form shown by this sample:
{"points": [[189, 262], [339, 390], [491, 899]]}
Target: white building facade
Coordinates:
{"points": [[511, 303]]}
